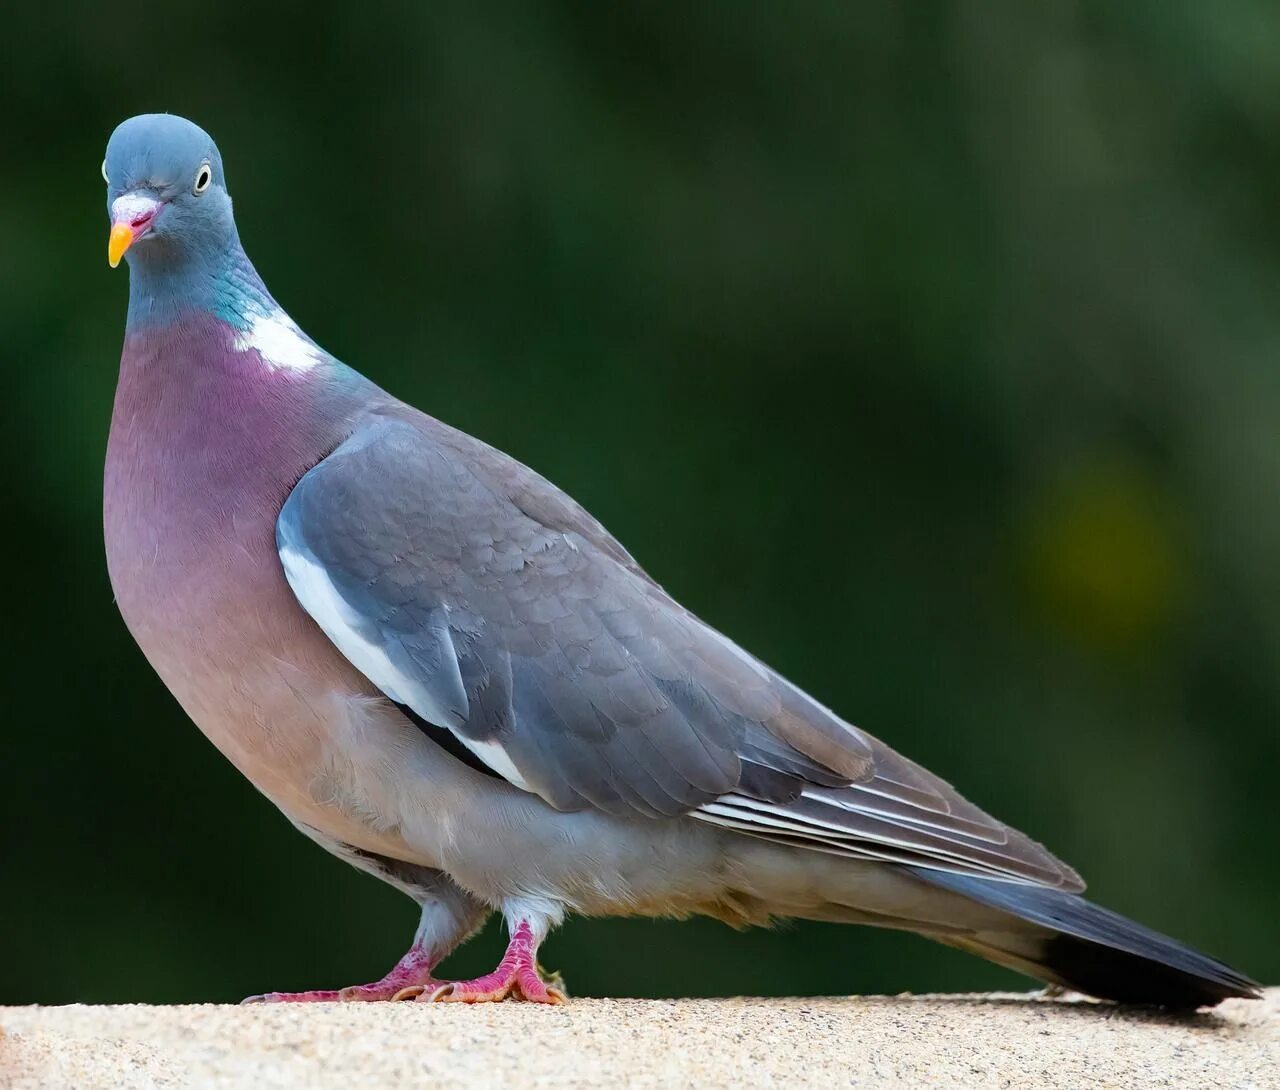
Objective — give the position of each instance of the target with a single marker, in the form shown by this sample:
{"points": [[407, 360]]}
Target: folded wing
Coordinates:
{"points": [[471, 590]]}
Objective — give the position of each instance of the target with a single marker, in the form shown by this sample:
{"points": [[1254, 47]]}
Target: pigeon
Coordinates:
{"points": [[445, 671]]}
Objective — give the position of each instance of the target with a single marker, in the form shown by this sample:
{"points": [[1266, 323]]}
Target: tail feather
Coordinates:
{"points": [[1092, 949]]}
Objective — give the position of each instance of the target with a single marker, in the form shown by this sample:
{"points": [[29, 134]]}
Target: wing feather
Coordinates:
{"points": [[473, 592]]}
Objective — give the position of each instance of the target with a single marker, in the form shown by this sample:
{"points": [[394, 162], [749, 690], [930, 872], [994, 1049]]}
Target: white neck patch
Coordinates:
{"points": [[278, 340]]}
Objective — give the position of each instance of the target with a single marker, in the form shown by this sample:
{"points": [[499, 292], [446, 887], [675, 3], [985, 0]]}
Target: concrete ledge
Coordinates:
{"points": [[877, 1042]]}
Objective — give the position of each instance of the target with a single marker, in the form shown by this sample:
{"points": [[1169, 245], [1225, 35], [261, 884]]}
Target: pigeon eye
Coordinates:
{"points": [[104, 172], [204, 176]]}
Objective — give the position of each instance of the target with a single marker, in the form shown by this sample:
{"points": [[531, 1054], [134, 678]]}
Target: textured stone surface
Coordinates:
{"points": [[942, 1041]]}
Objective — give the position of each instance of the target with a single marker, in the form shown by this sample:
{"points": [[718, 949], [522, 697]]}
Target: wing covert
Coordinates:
{"points": [[469, 589]]}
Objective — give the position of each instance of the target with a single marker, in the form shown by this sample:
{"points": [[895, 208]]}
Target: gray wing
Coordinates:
{"points": [[471, 590]]}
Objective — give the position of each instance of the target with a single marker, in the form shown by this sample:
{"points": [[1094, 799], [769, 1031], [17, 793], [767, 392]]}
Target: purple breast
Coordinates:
{"points": [[206, 443]]}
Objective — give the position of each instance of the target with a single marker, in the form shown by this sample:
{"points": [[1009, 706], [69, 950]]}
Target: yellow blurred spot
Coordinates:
{"points": [[1103, 557]]}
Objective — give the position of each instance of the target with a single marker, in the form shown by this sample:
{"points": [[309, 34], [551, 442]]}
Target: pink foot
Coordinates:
{"points": [[516, 977], [413, 971]]}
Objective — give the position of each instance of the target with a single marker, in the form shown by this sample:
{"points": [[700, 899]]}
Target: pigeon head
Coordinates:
{"points": [[166, 194]]}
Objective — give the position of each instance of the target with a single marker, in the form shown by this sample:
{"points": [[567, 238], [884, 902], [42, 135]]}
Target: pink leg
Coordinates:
{"points": [[516, 977], [413, 971]]}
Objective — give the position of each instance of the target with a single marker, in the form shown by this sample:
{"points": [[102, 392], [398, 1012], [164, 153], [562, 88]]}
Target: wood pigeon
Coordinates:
{"points": [[444, 670]]}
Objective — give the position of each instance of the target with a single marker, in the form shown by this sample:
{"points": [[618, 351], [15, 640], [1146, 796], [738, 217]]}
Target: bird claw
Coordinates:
{"points": [[412, 973], [492, 988], [382, 992], [318, 996], [518, 976], [524, 984]]}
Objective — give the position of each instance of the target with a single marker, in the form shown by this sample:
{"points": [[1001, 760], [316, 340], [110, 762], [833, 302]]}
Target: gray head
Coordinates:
{"points": [[166, 193]]}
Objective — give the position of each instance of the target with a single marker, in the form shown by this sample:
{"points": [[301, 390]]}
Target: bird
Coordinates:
{"points": [[445, 671]]}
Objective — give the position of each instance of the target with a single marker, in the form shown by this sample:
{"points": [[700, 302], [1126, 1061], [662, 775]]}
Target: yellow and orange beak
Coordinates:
{"points": [[131, 217], [120, 239]]}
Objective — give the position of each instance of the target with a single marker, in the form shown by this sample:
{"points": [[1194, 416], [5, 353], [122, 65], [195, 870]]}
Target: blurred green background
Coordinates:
{"points": [[931, 351]]}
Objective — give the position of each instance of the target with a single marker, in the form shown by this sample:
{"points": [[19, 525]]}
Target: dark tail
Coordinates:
{"points": [[1091, 949]]}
